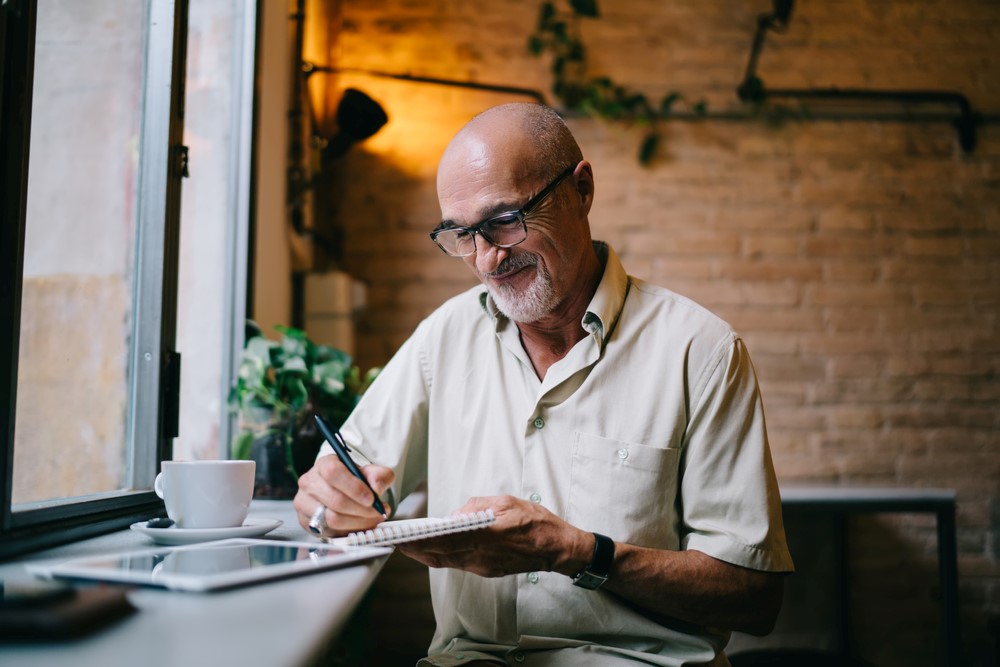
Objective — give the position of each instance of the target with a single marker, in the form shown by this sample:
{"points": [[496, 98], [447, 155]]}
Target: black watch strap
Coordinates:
{"points": [[597, 572]]}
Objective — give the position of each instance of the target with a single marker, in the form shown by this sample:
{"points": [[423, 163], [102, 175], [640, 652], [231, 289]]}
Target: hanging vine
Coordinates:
{"points": [[558, 33]]}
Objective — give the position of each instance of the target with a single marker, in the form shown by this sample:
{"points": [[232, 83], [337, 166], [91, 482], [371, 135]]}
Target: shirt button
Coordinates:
{"points": [[535, 498], [623, 453], [539, 422], [533, 577], [518, 657]]}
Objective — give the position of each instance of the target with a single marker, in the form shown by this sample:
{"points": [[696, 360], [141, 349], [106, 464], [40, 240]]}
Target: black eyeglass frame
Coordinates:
{"points": [[520, 214]]}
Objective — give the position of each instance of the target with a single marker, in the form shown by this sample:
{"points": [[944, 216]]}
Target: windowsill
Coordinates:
{"points": [[285, 622]]}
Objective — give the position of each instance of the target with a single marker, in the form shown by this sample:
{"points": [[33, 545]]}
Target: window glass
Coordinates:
{"points": [[74, 371]]}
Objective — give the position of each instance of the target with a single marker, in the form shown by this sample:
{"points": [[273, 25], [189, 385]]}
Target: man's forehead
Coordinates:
{"points": [[469, 154], [488, 146], [477, 188]]}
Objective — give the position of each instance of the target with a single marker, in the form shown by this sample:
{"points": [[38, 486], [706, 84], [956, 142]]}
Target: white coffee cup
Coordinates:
{"points": [[206, 494]]}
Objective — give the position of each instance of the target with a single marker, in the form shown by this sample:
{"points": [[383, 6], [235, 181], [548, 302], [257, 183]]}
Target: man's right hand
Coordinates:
{"points": [[348, 502]]}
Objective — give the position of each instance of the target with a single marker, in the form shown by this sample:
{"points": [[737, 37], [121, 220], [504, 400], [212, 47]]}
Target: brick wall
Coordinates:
{"points": [[859, 259]]}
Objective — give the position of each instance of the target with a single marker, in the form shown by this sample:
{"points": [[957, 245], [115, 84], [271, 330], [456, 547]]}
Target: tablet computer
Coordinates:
{"points": [[210, 565]]}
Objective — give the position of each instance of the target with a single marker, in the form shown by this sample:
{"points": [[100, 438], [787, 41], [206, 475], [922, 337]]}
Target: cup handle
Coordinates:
{"points": [[158, 484]]}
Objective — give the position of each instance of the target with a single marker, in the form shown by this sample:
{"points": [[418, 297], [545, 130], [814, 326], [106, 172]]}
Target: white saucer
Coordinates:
{"points": [[174, 535]]}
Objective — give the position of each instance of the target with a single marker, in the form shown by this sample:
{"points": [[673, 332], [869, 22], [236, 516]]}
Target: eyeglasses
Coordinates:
{"points": [[502, 230]]}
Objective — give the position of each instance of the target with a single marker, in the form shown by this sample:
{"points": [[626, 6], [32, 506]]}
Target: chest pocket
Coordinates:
{"points": [[624, 490]]}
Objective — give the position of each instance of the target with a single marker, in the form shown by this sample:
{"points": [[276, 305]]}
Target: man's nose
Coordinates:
{"points": [[488, 256]]}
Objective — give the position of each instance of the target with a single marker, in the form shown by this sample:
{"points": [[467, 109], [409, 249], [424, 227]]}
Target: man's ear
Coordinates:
{"points": [[583, 180]]}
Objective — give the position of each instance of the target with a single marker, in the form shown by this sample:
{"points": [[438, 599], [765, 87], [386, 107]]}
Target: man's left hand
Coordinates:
{"points": [[525, 537]]}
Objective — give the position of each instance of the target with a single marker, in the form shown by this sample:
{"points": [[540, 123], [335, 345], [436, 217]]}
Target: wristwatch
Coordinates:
{"points": [[595, 574]]}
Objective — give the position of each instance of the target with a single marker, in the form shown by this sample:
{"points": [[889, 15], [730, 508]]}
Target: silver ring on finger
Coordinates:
{"points": [[317, 522]]}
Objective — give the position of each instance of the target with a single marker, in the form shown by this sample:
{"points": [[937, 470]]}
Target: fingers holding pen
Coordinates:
{"points": [[339, 478], [347, 500]]}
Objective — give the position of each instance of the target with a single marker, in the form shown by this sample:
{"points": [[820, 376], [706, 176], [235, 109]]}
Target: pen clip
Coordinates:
{"points": [[340, 439], [332, 435]]}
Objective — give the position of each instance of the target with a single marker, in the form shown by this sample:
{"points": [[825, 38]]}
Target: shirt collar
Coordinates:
{"points": [[605, 306]]}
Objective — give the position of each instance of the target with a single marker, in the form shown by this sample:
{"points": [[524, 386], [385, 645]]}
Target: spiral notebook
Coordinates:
{"points": [[408, 530]]}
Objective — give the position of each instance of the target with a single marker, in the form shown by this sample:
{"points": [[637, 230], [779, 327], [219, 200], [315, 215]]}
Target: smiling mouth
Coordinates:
{"points": [[510, 268], [509, 275]]}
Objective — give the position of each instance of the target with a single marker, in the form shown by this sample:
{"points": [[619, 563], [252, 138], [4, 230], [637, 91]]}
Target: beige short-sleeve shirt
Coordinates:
{"points": [[650, 430]]}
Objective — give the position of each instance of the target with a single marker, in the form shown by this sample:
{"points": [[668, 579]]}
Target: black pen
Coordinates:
{"points": [[341, 449]]}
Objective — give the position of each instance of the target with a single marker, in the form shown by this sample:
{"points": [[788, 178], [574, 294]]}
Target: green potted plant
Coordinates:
{"points": [[279, 387]]}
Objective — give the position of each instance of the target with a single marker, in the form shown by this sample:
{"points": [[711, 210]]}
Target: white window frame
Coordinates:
{"points": [[154, 372]]}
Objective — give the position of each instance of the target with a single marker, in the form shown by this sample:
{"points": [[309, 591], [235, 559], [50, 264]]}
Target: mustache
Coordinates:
{"points": [[513, 263]]}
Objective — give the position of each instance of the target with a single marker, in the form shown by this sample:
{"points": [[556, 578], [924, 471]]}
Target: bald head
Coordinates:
{"points": [[505, 160], [523, 141]]}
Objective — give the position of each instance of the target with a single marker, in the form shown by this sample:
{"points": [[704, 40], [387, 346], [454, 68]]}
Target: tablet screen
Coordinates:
{"points": [[213, 565]]}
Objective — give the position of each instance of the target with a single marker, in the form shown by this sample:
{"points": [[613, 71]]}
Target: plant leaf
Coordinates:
{"points": [[668, 102], [240, 448], [289, 458], [572, 95], [585, 8], [233, 399], [294, 345], [648, 148], [295, 365], [326, 353], [333, 369], [353, 378], [252, 373], [369, 378], [295, 390], [535, 45], [260, 348], [635, 101], [545, 14], [251, 329], [329, 377], [291, 332]]}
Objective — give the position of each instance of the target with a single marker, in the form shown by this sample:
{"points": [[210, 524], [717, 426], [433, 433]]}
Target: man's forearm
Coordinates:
{"points": [[690, 586]]}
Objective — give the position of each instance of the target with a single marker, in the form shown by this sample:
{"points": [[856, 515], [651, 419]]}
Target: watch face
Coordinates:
{"points": [[600, 565], [589, 580]]}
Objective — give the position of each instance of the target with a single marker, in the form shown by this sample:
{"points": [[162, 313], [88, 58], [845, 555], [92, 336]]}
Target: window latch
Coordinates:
{"points": [[13, 7], [181, 163], [170, 384]]}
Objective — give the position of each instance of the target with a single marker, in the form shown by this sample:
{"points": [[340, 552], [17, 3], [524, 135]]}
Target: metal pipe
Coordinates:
{"points": [[752, 88], [310, 68]]}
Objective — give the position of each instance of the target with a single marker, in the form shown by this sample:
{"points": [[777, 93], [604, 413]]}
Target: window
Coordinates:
{"points": [[90, 118], [215, 210]]}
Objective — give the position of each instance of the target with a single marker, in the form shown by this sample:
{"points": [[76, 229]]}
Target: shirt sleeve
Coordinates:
{"points": [[730, 503], [389, 425]]}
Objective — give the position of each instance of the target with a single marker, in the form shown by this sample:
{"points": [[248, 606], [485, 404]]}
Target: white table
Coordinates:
{"points": [[280, 623]]}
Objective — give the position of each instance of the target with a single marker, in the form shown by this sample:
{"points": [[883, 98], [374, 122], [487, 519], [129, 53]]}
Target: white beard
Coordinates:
{"points": [[535, 302]]}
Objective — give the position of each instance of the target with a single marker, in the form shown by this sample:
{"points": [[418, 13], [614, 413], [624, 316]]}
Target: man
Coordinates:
{"points": [[614, 427]]}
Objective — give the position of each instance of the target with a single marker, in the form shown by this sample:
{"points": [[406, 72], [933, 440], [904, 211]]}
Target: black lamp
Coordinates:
{"points": [[358, 117], [782, 11]]}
